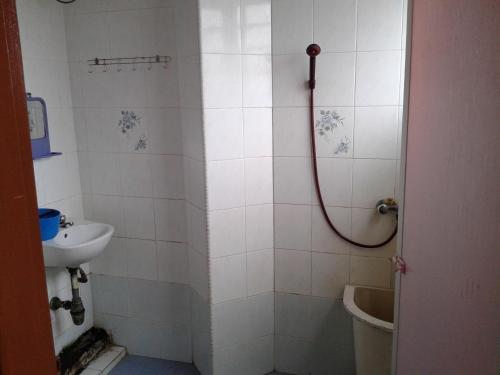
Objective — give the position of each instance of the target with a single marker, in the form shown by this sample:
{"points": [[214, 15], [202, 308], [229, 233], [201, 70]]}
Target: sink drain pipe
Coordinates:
{"points": [[75, 306]]}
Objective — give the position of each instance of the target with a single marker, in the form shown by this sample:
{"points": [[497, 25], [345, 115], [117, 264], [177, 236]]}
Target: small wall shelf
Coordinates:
{"points": [[47, 155], [39, 128]]}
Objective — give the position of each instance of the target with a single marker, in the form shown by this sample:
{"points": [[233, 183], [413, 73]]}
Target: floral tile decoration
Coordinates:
{"points": [[327, 124], [343, 146], [128, 124], [128, 121], [141, 143]]}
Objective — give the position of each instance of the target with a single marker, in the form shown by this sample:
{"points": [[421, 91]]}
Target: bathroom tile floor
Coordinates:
{"points": [[135, 365]]}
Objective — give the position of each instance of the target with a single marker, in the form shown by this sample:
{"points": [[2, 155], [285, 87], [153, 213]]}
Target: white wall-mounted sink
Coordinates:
{"points": [[77, 244]]}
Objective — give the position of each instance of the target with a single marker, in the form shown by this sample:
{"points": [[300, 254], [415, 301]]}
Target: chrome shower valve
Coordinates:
{"points": [[384, 206]]}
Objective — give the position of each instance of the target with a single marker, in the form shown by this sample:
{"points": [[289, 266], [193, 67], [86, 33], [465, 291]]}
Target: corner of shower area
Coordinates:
{"points": [[203, 165]]}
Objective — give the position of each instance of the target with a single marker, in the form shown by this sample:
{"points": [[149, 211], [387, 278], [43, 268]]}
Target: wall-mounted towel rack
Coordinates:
{"points": [[134, 61]]}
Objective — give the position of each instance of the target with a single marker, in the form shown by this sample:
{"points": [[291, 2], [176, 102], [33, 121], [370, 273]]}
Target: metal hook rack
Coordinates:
{"points": [[157, 59]]}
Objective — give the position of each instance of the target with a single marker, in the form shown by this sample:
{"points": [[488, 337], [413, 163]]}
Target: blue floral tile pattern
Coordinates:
{"points": [[129, 124], [343, 146], [141, 143], [328, 122], [128, 121], [325, 126]]}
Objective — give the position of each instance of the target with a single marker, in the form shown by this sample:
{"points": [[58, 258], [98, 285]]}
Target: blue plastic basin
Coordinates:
{"points": [[49, 222]]}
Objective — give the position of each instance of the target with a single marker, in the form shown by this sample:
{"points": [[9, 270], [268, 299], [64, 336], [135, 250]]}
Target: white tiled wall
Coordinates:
{"points": [[46, 74], [221, 254], [141, 283], [194, 151], [358, 78], [237, 115]]}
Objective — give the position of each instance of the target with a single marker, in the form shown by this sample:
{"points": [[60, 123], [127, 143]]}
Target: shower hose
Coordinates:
{"points": [[318, 188]]}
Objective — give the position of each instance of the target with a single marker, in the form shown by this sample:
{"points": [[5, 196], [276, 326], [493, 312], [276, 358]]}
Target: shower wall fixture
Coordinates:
{"points": [[358, 108], [383, 206]]}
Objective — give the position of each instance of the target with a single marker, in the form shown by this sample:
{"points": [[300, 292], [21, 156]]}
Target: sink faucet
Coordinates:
{"points": [[63, 223]]}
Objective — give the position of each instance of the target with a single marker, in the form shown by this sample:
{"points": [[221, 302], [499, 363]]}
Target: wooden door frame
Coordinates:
{"points": [[26, 343]]}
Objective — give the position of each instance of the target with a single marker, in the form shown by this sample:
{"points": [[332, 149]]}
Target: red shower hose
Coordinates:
{"points": [[318, 189]]}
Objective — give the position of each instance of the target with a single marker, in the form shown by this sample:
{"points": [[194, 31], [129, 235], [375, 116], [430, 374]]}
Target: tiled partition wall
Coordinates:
{"points": [[130, 148], [46, 75], [187, 21], [357, 130], [237, 100]]}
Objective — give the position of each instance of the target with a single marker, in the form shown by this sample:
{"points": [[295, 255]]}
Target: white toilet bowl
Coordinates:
{"points": [[372, 310]]}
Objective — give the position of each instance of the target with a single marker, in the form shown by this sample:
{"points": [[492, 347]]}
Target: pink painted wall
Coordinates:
{"points": [[450, 298]]}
